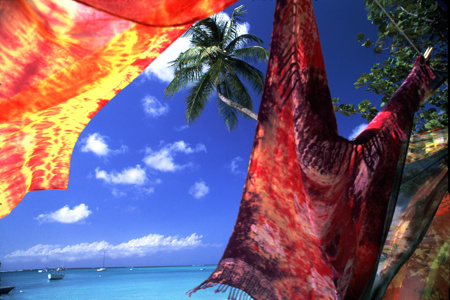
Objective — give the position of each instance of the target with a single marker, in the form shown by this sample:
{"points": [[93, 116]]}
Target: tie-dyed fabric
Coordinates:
{"points": [[311, 222], [61, 62], [417, 249]]}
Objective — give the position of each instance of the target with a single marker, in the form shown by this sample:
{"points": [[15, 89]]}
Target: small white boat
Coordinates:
{"points": [[102, 268], [55, 276]]}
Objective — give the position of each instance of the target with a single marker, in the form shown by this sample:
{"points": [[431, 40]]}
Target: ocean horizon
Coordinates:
{"points": [[159, 283]]}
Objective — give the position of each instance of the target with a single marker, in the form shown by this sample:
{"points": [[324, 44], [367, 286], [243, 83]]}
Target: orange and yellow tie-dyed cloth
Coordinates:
{"points": [[61, 62]]}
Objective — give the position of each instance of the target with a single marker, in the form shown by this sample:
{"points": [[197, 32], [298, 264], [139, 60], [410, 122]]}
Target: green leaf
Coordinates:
{"points": [[360, 36], [410, 7]]}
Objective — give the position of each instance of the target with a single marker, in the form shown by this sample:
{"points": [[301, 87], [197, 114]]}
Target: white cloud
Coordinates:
{"points": [[199, 190], [236, 166], [153, 107], [181, 128], [143, 246], [66, 215], [96, 143], [357, 130], [163, 159], [135, 175], [149, 190], [160, 69], [117, 193]]}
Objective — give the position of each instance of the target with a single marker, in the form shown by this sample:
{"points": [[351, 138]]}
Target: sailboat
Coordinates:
{"points": [[55, 276], [102, 268], [46, 269], [62, 268]]}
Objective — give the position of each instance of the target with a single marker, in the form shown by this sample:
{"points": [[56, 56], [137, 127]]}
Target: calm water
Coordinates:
{"points": [[121, 283]]}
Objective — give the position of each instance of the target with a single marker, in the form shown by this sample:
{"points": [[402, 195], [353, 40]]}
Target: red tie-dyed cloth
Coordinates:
{"points": [[61, 62], [311, 223]]}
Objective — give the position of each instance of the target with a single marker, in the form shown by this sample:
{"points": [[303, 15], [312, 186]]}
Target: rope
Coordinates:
{"points": [[399, 29]]}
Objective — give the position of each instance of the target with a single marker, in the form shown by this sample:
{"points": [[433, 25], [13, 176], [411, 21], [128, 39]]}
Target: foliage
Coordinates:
{"points": [[426, 24], [217, 61]]}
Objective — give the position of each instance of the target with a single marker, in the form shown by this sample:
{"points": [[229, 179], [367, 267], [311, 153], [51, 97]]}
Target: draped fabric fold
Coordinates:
{"points": [[311, 222], [62, 61]]}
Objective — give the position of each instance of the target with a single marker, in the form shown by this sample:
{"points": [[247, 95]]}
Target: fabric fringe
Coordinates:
{"points": [[237, 294], [233, 294], [244, 282]]}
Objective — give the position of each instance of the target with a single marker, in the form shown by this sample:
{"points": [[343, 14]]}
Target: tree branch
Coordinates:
{"points": [[414, 15]]}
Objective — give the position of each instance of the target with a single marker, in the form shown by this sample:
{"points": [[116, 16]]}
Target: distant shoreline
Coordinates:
{"points": [[125, 267]]}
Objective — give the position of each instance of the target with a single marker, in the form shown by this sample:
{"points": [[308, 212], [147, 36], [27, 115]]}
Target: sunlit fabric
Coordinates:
{"points": [[417, 249], [61, 62], [311, 223]]}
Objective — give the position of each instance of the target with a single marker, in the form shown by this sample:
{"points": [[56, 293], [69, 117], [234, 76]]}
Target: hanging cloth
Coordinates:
{"points": [[311, 222], [62, 61], [415, 262]]}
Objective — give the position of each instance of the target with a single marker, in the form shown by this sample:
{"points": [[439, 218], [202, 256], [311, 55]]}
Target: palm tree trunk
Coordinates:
{"points": [[233, 104]]}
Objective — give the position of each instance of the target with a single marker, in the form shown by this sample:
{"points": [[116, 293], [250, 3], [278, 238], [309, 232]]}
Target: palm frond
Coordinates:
{"points": [[249, 73], [210, 53], [183, 77], [252, 53], [242, 40], [232, 26], [238, 13], [197, 97], [226, 112], [239, 92], [215, 71], [187, 58], [207, 32]]}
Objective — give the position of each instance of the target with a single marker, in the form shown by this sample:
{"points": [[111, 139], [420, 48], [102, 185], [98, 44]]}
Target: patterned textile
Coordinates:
{"points": [[420, 233], [62, 61], [311, 223]]}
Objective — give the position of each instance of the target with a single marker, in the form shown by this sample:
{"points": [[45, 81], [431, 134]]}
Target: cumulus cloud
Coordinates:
{"points": [[199, 189], [143, 246], [357, 130], [95, 143], [66, 215], [160, 68], [153, 107], [134, 175], [163, 159]]}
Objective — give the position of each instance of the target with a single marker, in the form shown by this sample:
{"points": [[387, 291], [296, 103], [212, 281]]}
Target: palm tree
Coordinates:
{"points": [[216, 61]]}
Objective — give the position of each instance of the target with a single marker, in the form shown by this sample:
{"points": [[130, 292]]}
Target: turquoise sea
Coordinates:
{"points": [[159, 283]]}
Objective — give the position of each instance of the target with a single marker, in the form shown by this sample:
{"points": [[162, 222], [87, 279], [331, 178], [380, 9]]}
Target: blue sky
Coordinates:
{"points": [[150, 190]]}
